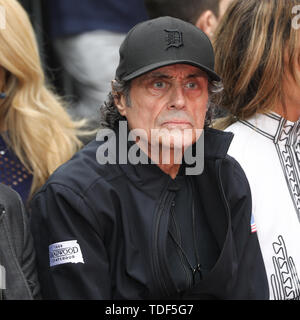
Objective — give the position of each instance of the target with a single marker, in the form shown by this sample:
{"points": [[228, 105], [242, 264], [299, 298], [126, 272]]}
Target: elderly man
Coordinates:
{"points": [[108, 225]]}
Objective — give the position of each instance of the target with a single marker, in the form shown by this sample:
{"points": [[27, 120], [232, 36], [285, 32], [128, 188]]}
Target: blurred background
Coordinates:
{"points": [[37, 10], [79, 42]]}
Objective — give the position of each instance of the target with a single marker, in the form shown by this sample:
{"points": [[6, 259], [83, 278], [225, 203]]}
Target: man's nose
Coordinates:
{"points": [[177, 98]]}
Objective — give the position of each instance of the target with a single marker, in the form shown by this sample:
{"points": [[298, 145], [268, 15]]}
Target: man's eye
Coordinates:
{"points": [[191, 85], [159, 85]]}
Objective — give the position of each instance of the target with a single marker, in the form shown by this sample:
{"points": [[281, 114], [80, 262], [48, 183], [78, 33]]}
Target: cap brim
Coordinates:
{"points": [[211, 74]]}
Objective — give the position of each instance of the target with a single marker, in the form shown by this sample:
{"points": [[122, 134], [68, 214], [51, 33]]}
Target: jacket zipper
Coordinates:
{"points": [[159, 261], [186, 270], [223, 192]]}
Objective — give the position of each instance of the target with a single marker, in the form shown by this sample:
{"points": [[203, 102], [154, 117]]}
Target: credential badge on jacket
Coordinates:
{"points": [[174, 38], [65, 252]]}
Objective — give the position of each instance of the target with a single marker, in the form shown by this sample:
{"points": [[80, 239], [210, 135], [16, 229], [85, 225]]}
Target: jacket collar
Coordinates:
{"points": [[216, 143]]}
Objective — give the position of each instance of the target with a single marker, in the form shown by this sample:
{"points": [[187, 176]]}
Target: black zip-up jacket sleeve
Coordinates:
{"points": [[60, 214]]}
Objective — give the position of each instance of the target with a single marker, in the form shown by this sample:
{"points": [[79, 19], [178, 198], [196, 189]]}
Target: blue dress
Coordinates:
{"points": [[13, 173]]}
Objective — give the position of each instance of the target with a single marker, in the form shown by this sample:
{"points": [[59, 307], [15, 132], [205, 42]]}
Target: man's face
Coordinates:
{"points": [[168, 98]]}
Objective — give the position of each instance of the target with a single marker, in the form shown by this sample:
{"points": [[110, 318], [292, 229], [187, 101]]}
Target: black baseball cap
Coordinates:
{"points": [[161, 42]]}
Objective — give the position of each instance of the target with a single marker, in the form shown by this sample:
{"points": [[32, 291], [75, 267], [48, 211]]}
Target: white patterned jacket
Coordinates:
{"points": [[267, 147]]}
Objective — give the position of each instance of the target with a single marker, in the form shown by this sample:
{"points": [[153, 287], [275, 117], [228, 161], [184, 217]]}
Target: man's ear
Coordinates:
{"points": [[207, 22], [120, 102]]}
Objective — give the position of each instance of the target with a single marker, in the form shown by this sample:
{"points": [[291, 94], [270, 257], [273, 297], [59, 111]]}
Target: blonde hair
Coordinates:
{"points": [[251, 45], [41, 133]]}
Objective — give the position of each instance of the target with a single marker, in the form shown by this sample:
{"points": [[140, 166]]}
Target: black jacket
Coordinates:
{"points": [[118, 214]]}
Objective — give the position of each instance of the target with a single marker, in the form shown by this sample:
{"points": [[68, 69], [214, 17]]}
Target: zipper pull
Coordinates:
{"points": [[172, 210], [2, 210], [197, 269]]}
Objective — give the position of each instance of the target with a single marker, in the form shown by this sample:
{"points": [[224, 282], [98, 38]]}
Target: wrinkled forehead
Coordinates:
{"points": [[175, 71]]}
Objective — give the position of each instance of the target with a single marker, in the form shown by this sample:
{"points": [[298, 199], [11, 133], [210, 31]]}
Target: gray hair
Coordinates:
{"points": [[110, 115]]}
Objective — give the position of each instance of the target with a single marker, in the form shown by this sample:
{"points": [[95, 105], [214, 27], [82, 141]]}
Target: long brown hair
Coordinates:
{"points": [[251, 44]]}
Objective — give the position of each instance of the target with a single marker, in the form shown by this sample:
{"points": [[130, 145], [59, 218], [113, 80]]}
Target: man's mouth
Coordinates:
{"points": [[177, 124]]}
